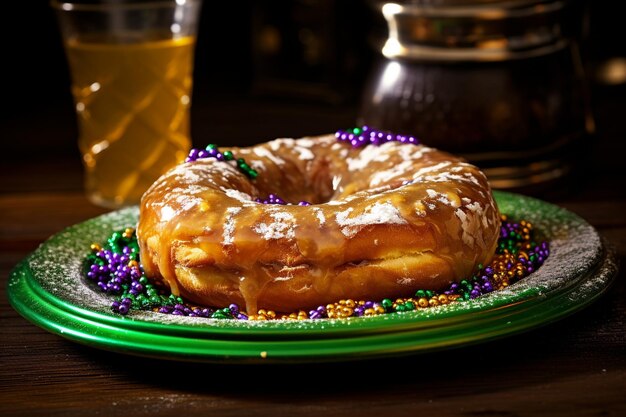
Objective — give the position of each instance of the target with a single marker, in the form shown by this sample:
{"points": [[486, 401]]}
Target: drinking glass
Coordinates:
{"points": [[131, 66]]}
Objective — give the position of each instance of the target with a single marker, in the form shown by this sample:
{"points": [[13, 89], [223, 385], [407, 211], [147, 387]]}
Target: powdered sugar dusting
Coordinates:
{"points": [[237, 195], [320, 215], [300, 146], [368, 155], [229, 225], [264, 153], [282, 227], [378, 213]]}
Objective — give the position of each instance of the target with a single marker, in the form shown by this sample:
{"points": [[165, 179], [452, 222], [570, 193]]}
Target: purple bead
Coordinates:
{"points": [[123, 309], [202, 154], [241, 316]]}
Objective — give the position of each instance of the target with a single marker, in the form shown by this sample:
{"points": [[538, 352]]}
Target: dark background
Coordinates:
{"points": [[242, 93]]}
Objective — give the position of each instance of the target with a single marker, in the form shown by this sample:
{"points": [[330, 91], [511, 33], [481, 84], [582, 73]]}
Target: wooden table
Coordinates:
{"points": [[573, 367]]}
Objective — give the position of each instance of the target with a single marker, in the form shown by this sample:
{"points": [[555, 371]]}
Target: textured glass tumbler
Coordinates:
{"points": [[131, 66]]}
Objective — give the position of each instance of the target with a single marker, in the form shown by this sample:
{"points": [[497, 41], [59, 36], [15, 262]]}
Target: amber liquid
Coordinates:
{"points": [[132, 103]]}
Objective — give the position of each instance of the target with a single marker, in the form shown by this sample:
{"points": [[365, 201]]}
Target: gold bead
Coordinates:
{"points": [[350, 303], [369, 312], [379, 309], [443, 298], [422, 302], [95, 247], [433, 302]]}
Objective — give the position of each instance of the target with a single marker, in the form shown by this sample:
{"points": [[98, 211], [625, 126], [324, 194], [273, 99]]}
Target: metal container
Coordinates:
{"points": [[498, 82]]}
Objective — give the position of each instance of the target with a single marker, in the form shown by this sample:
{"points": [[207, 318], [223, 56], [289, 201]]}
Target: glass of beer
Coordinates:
{"points": [[131, 66]]}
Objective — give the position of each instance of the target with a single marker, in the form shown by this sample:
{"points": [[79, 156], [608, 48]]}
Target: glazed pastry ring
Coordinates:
{"points": [[383, 222]]}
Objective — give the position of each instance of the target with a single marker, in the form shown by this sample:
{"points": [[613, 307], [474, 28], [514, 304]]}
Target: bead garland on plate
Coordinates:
{"points": [[359, 137], [212, 151], [115, 269]]}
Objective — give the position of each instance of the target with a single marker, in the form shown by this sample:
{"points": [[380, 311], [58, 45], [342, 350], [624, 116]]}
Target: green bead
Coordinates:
{"points": [[409, 305], [144, 281], [252, 173], [420, 294], [356, 131], [429, 293], [211, 146], [387, 303], [228, 155]]}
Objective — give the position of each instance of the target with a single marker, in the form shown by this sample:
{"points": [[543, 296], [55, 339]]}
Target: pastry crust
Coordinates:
{"points": [[384, 222]]}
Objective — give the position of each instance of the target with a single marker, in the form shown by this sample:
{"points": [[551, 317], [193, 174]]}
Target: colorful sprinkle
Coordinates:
{"points": [[115, 269], [212, 151], [365, 135], [274, 199]]}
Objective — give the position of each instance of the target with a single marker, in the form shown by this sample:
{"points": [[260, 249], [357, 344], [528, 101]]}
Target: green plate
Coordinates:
{"points": [[48, 289]]}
